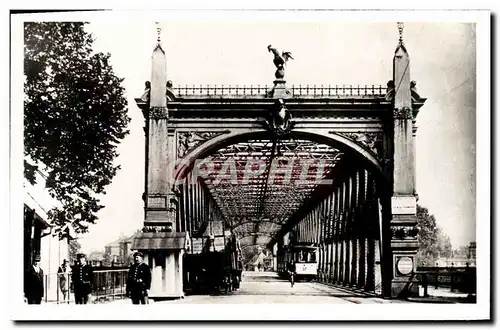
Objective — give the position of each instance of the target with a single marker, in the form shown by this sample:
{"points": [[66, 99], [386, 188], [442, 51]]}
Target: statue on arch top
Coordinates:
{"points": [[279, 61]]}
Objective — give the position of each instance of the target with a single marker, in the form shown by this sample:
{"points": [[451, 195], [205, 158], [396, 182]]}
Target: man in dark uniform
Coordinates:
{"points": [[33, 282], [82, 278], [139, 281], [291, 271]]}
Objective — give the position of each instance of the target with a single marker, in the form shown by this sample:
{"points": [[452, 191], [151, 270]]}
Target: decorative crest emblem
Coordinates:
{"points": [[280, 120]]}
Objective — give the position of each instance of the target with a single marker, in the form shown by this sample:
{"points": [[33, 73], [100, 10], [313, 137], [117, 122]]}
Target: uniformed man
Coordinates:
{"points": [[139, 280], [82, 278], [33, 282], [292, 271]]}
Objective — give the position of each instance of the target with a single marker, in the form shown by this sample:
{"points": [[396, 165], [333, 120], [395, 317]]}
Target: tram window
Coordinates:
{"points": [[305, 256], [312, 257], [300, 257]]}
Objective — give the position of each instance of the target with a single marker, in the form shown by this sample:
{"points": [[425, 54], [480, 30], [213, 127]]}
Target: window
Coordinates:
{"points": [[312, 256]]}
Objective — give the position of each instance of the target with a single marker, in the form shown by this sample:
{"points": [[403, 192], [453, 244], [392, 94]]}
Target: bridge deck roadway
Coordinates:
{"points": [[267, 287]]}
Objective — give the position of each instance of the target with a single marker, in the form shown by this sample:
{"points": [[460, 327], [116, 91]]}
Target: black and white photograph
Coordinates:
{"points": [[250, 165]]}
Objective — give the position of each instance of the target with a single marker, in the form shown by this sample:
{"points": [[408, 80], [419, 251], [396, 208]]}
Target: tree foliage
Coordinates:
{"points": [[433, 242], [108, 258], [461, 252], [75, 115], [96, 256], [74, 248]]}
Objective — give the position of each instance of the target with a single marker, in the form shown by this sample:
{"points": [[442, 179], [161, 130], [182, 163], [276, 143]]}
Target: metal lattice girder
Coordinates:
{"points": [[259, 179], [257, 227], [258, 233], [255, 239], [247, 240]]}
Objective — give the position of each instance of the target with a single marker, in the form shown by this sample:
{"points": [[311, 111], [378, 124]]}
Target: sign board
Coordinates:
{"points": [[156, 202], [187, 244], [219, 243], [404, 205], [405, 265], [197, 245]]}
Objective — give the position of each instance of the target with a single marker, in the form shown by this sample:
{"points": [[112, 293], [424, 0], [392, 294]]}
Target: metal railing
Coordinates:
{"points": [[297, 91], [222, 90], [461, 279], [339, 91], [109, 284], [106, 285]]}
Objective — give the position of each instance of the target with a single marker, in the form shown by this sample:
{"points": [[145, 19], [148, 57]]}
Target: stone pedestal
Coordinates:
{"points": [[166, 274], [280, 91], [404, 264], [404, 244]]}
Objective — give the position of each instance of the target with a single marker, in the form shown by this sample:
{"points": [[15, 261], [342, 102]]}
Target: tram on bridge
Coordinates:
{"points": [[305, 257]]}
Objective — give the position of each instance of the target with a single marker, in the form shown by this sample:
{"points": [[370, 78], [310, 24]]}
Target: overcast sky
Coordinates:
{"points": [[325, 52]]}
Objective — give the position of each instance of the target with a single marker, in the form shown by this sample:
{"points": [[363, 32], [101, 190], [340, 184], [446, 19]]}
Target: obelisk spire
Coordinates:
{"points": [[158, 31], [401, 27]]}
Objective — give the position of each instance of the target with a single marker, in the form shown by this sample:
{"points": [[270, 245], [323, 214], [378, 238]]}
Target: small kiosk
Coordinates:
{"points": [[164, 253]]}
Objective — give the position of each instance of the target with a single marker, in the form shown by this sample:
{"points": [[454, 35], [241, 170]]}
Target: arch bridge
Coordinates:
{"points": [[331, 165]]}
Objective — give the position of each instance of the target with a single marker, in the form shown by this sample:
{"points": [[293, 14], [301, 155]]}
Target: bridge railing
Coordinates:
{"points": [[296, 91], [106, 285], [109, 284], [339, 91], [461, 279], [222, 90]]}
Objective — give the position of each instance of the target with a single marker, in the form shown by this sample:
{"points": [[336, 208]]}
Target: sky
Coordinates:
{"points": [[325, 52]]}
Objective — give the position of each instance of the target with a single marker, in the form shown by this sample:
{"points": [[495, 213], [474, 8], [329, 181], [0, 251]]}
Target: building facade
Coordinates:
{"points": [[120, 251], [40, 238]]}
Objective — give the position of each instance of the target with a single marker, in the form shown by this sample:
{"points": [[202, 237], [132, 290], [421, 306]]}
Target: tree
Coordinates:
{"points": [[444, 244], [461, 252], [75, 116], [96, 256], [74, 248], [108, 258], [433, 242]]}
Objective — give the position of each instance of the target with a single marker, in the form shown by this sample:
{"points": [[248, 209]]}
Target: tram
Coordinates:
{"points": [[306, 260]]}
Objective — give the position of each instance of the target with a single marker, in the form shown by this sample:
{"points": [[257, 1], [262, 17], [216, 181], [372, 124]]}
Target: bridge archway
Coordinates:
{"points": [[268, 222], [368, 212], [231, 137]]}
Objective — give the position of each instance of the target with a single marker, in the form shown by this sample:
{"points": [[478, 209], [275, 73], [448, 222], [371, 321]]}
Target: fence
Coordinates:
{"points": [[461, 279], [106, 285], [109, 284]]}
